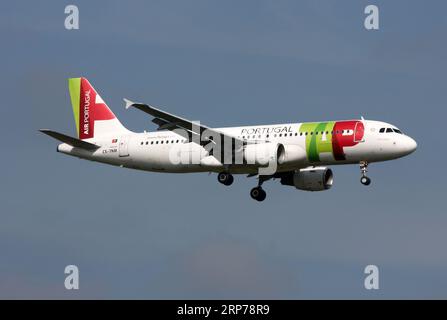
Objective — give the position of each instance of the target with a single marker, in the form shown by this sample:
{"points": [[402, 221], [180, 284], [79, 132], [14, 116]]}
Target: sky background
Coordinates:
{"points": [[148, 235]]}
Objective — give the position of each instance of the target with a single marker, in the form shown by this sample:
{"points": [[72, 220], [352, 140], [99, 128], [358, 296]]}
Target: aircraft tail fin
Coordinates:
{"points": [[92, 116]]}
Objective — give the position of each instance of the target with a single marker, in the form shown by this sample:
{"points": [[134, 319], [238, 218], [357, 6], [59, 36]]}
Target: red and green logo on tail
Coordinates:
{"points": [[88, 107]]}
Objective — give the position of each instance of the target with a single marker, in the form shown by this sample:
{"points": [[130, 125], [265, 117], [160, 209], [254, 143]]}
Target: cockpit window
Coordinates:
{"points": [[390, 130]]}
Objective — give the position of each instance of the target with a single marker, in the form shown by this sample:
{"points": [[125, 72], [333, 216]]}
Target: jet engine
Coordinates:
{"points": [[293, 154], [263, 154], [309, 179]]}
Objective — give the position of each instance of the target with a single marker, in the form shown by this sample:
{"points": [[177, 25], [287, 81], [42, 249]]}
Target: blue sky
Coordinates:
{"points": [[148, 235]]}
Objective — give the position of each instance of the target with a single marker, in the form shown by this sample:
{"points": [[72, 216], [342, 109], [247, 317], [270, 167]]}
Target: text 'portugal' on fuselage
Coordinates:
{"points": [[296, 153]]}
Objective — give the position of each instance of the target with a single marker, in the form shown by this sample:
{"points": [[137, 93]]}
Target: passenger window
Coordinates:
{"points": [[152, 142], [267, 136], [156, 142], [296, 133], [141, 142], [147, 142]]}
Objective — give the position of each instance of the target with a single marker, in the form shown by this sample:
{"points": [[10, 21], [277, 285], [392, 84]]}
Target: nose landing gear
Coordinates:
{"points": [[363, 169]]}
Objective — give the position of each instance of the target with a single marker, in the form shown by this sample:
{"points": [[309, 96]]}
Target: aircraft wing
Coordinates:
{"points": [[168, 121]]}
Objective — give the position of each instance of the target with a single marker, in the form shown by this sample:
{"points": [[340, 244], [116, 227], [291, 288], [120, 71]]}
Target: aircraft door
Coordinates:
{"points": [[124, 146]]}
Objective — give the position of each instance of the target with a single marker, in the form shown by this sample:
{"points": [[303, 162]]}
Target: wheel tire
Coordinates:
{"points": [[229, 180], [225, 178], [365, 181], [254, 193], [222, 177], [262, 195], [258, 194]]}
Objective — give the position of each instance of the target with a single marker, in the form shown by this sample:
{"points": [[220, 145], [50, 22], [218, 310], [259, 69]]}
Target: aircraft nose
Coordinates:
{"points": [[410, 145]]}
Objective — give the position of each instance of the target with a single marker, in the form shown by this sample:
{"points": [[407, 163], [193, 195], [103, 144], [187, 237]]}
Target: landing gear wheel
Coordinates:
{"points": [[225, 178], [364, 169], [258, 194], [365, 180]]}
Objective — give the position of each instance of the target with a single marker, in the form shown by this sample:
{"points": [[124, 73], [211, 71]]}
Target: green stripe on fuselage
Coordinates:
{"points": [[317, 140]]}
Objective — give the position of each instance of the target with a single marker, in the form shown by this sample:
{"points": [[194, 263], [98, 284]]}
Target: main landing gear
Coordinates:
{"points": [[363, 169], [258, 193], [225, 178]]}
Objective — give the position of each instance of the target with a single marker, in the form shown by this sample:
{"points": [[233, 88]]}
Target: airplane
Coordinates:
{"points": [[298, 154]]}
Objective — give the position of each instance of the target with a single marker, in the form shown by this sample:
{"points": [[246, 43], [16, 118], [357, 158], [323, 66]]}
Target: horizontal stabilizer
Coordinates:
{"points": [[74, 142]]}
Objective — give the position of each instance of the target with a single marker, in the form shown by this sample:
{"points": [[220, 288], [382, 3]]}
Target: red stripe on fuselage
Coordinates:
{"points": [[340, 140]]}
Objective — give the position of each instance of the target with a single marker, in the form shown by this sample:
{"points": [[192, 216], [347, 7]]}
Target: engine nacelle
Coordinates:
{"points": [[293, 154], [263, 154], [310, 179]]}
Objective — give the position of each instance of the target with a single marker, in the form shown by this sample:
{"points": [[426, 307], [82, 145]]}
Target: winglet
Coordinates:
{"points": [[128, 103]]}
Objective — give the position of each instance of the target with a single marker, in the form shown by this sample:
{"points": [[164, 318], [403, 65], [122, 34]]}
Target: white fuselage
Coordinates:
{"points": [[155, 151]]}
